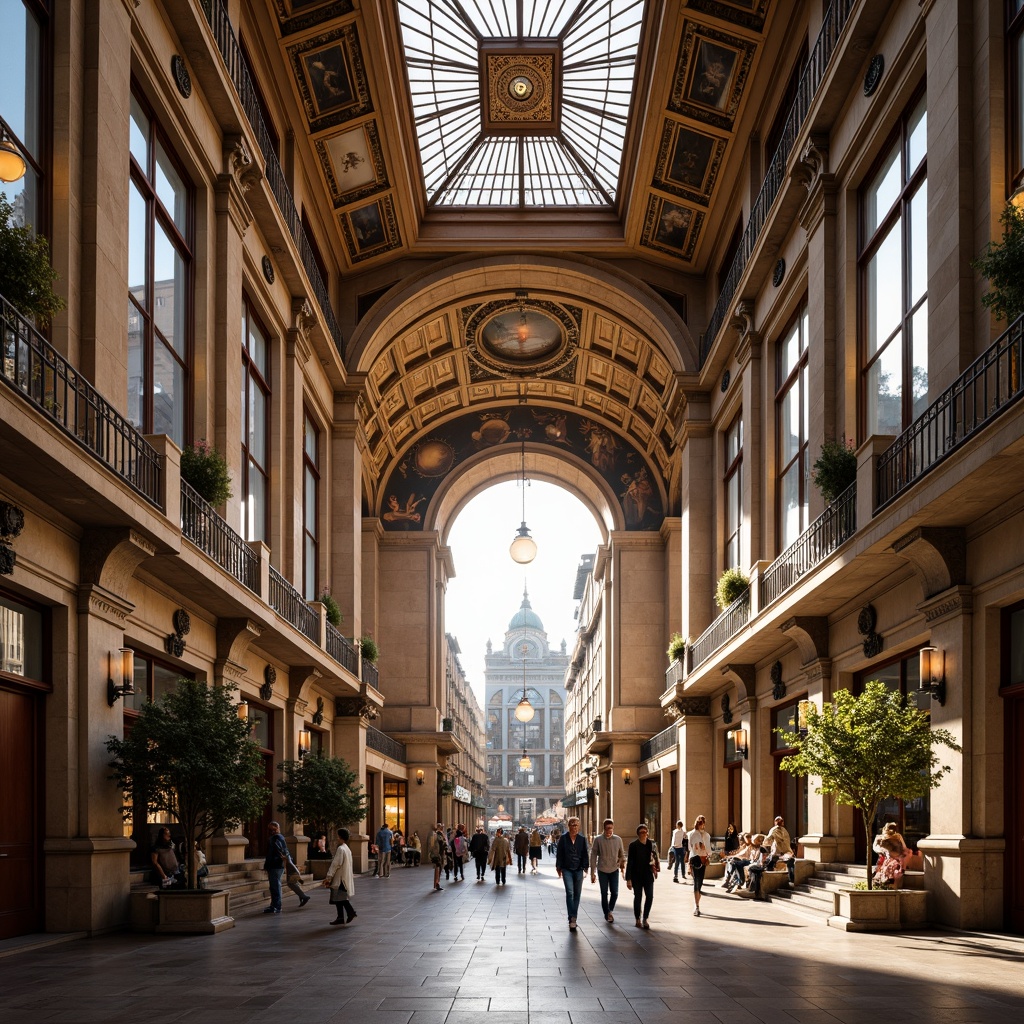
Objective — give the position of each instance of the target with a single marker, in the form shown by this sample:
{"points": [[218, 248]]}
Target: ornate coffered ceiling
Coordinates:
{"points": [[697, 68]]}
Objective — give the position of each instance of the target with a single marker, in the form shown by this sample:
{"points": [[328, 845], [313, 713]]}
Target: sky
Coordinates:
{"points": [[488, 586]]}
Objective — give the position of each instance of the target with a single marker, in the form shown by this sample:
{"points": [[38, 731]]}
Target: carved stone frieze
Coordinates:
{"points": [[101, 603], [683, 707], [947, 605], [355, 707]]}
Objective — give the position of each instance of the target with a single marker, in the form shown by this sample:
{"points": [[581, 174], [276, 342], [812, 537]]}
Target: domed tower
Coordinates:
{"points": [[525, 698]]}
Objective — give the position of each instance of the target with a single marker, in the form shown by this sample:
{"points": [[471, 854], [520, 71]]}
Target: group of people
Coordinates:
{"points": [[757, 853], [392, 847]]}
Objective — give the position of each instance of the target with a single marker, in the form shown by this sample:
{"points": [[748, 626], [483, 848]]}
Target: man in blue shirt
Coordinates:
{"points": [[571, 862], [384, 836]]}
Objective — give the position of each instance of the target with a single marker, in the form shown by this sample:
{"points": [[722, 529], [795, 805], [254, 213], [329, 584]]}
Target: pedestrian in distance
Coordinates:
{"points": [[340, 879], [700, 853], [437, 850], [500, 856]]}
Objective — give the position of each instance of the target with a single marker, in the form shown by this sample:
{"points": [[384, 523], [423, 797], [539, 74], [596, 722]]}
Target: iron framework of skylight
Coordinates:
{"points": [[577, 166]]}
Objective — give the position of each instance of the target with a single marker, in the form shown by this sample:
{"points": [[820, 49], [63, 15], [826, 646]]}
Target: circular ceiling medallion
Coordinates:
{"points": [[520, 88], [522, 335], [433, 457]]}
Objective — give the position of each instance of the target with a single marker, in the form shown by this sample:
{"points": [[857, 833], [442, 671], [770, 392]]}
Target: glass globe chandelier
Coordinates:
{"points": [[524, 709], [523, 548]]}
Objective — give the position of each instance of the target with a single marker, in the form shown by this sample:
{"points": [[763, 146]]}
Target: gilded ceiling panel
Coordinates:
{"points": [[688, 162], [299, 15], [748, 13], [671, 228], [371, 230], [353, 163]]}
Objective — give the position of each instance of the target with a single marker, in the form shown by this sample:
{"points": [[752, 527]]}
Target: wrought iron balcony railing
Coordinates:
{"points": [[384, 744], [231, 52], [37, 371], [831, 529], [818, 61], [723, 629], [201, 525], [369, 674], [659, 743], [289, 604], [342, 650], [985, 390]]}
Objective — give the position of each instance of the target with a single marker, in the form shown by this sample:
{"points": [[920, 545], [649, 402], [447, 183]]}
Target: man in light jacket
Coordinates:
{"points": [[607, 860]]}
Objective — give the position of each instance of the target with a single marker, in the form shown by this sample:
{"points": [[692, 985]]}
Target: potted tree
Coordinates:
{"points": [[865, 749], [324, 793], [331, 608], [835, 468], [1002, 263], [731, 585], [676, 648], [369, 648], [189, 758], [206, 470]]}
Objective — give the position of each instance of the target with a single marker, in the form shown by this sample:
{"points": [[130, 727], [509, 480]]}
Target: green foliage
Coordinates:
{"points": [[189, 756], [206, 470], [1002, 263], [369, 648], [835, 468], [332, 608], [731, 585], [676, 648], [26, 276], [323, 792], [869, 748]]}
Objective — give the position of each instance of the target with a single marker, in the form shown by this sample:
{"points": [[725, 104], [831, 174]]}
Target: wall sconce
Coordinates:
{"points": [[1017, 197], [121, 666], [627, 776], [305, 742], [739, 737], [933, 673], [801, 717], [12, 163], [243, 711], [419, 776]]}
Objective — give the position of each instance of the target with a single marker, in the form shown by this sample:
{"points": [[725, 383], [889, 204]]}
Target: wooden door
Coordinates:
{"points": [[21, 863]]}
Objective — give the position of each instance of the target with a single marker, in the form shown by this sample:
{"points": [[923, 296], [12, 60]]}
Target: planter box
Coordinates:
{"points": [[194, 913], [879, 910], [318, 866]]}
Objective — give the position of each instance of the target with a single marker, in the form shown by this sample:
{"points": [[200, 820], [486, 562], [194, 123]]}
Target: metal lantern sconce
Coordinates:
{"points": [[801, 717], [627, 776], [121, 666], [419, 776], [12, 163], [524, 709], [523, 548], [933, 673], [739, 737], [243, 711], [305, 742]]}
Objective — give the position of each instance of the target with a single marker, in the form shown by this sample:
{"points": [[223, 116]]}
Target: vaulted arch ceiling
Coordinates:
{"points": [[479, 354]]}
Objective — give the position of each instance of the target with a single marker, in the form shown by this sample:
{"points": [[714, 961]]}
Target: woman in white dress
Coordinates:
{"points": [[340, 880]]}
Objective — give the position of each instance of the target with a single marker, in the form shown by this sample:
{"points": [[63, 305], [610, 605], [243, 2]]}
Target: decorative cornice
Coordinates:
{"points": [[102, 604], [947, 605], [355, 707], [684, 707], [820, 668]]}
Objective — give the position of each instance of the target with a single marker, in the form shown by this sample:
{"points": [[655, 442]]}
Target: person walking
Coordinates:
{"points": [[522, 849], [571, 862], [278, 858], [478, 847], [460, 851], [536, 839], [437, 850], [607, 859], [500, 856], [384, 840], [642, 866], [700, 853], [680, 852], [341, 881]]}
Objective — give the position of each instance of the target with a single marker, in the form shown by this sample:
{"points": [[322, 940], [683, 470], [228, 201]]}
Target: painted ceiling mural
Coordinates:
{"points": [[422, 470], [715, 45]]}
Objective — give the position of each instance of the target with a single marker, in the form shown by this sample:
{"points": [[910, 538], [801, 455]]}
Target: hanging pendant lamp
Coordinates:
{"points": [[523, 548]]}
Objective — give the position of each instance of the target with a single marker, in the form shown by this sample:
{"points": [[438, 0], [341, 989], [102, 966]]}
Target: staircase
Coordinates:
{"points": [[814, 896]]}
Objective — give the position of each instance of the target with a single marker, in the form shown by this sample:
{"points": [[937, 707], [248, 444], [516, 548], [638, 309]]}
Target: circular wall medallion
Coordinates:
{"points": [[725, 381], [874, 74], [522, 335], [520, 88], [181, 76], [268, 269], [433, 457], [779, 272]]}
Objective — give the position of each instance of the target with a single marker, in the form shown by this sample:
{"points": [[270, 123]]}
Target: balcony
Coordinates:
{"points": [[202, 526], [721, 631], [37, 372], [659, 743], [343, 652], [384, 744]]}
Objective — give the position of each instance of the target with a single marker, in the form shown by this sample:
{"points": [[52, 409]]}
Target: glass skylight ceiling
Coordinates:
{"points": [[576, 165]]}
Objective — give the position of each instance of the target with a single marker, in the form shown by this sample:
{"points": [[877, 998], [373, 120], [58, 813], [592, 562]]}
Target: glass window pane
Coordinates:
{"points": [[165, 680], [789, 426], [917, 140], [137, 245], [882, 192], [789, 353], [310, 441], [309, 569], [884, 291], [919, 383], [1018, 163], [258, 348], [138, 135], [257, 423], [884, 391], [169, 291], [919, 244], [136, 365], [170, 189], [21, 639], [168, 395], [792, 517], [309, 503], [257, 504]]}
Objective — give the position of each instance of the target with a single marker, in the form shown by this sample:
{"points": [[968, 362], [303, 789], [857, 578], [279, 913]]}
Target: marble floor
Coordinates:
{"points": [[478, 953]]}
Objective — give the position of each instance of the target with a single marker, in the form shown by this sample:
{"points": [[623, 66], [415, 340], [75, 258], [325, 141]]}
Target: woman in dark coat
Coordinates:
{"points": [[642, 866]]}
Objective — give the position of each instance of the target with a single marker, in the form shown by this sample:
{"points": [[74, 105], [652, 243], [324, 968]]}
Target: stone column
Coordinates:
{"points": [[696, 763], [698, 556], [352, 716], [343, 523], [748, 358]]}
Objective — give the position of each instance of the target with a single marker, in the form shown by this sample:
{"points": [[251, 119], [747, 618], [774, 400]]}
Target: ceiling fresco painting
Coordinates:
{"points": [[423, 468], [353, 164]]}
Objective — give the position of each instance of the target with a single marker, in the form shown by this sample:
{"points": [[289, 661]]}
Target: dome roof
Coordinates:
{"points": [[526, 617]]}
